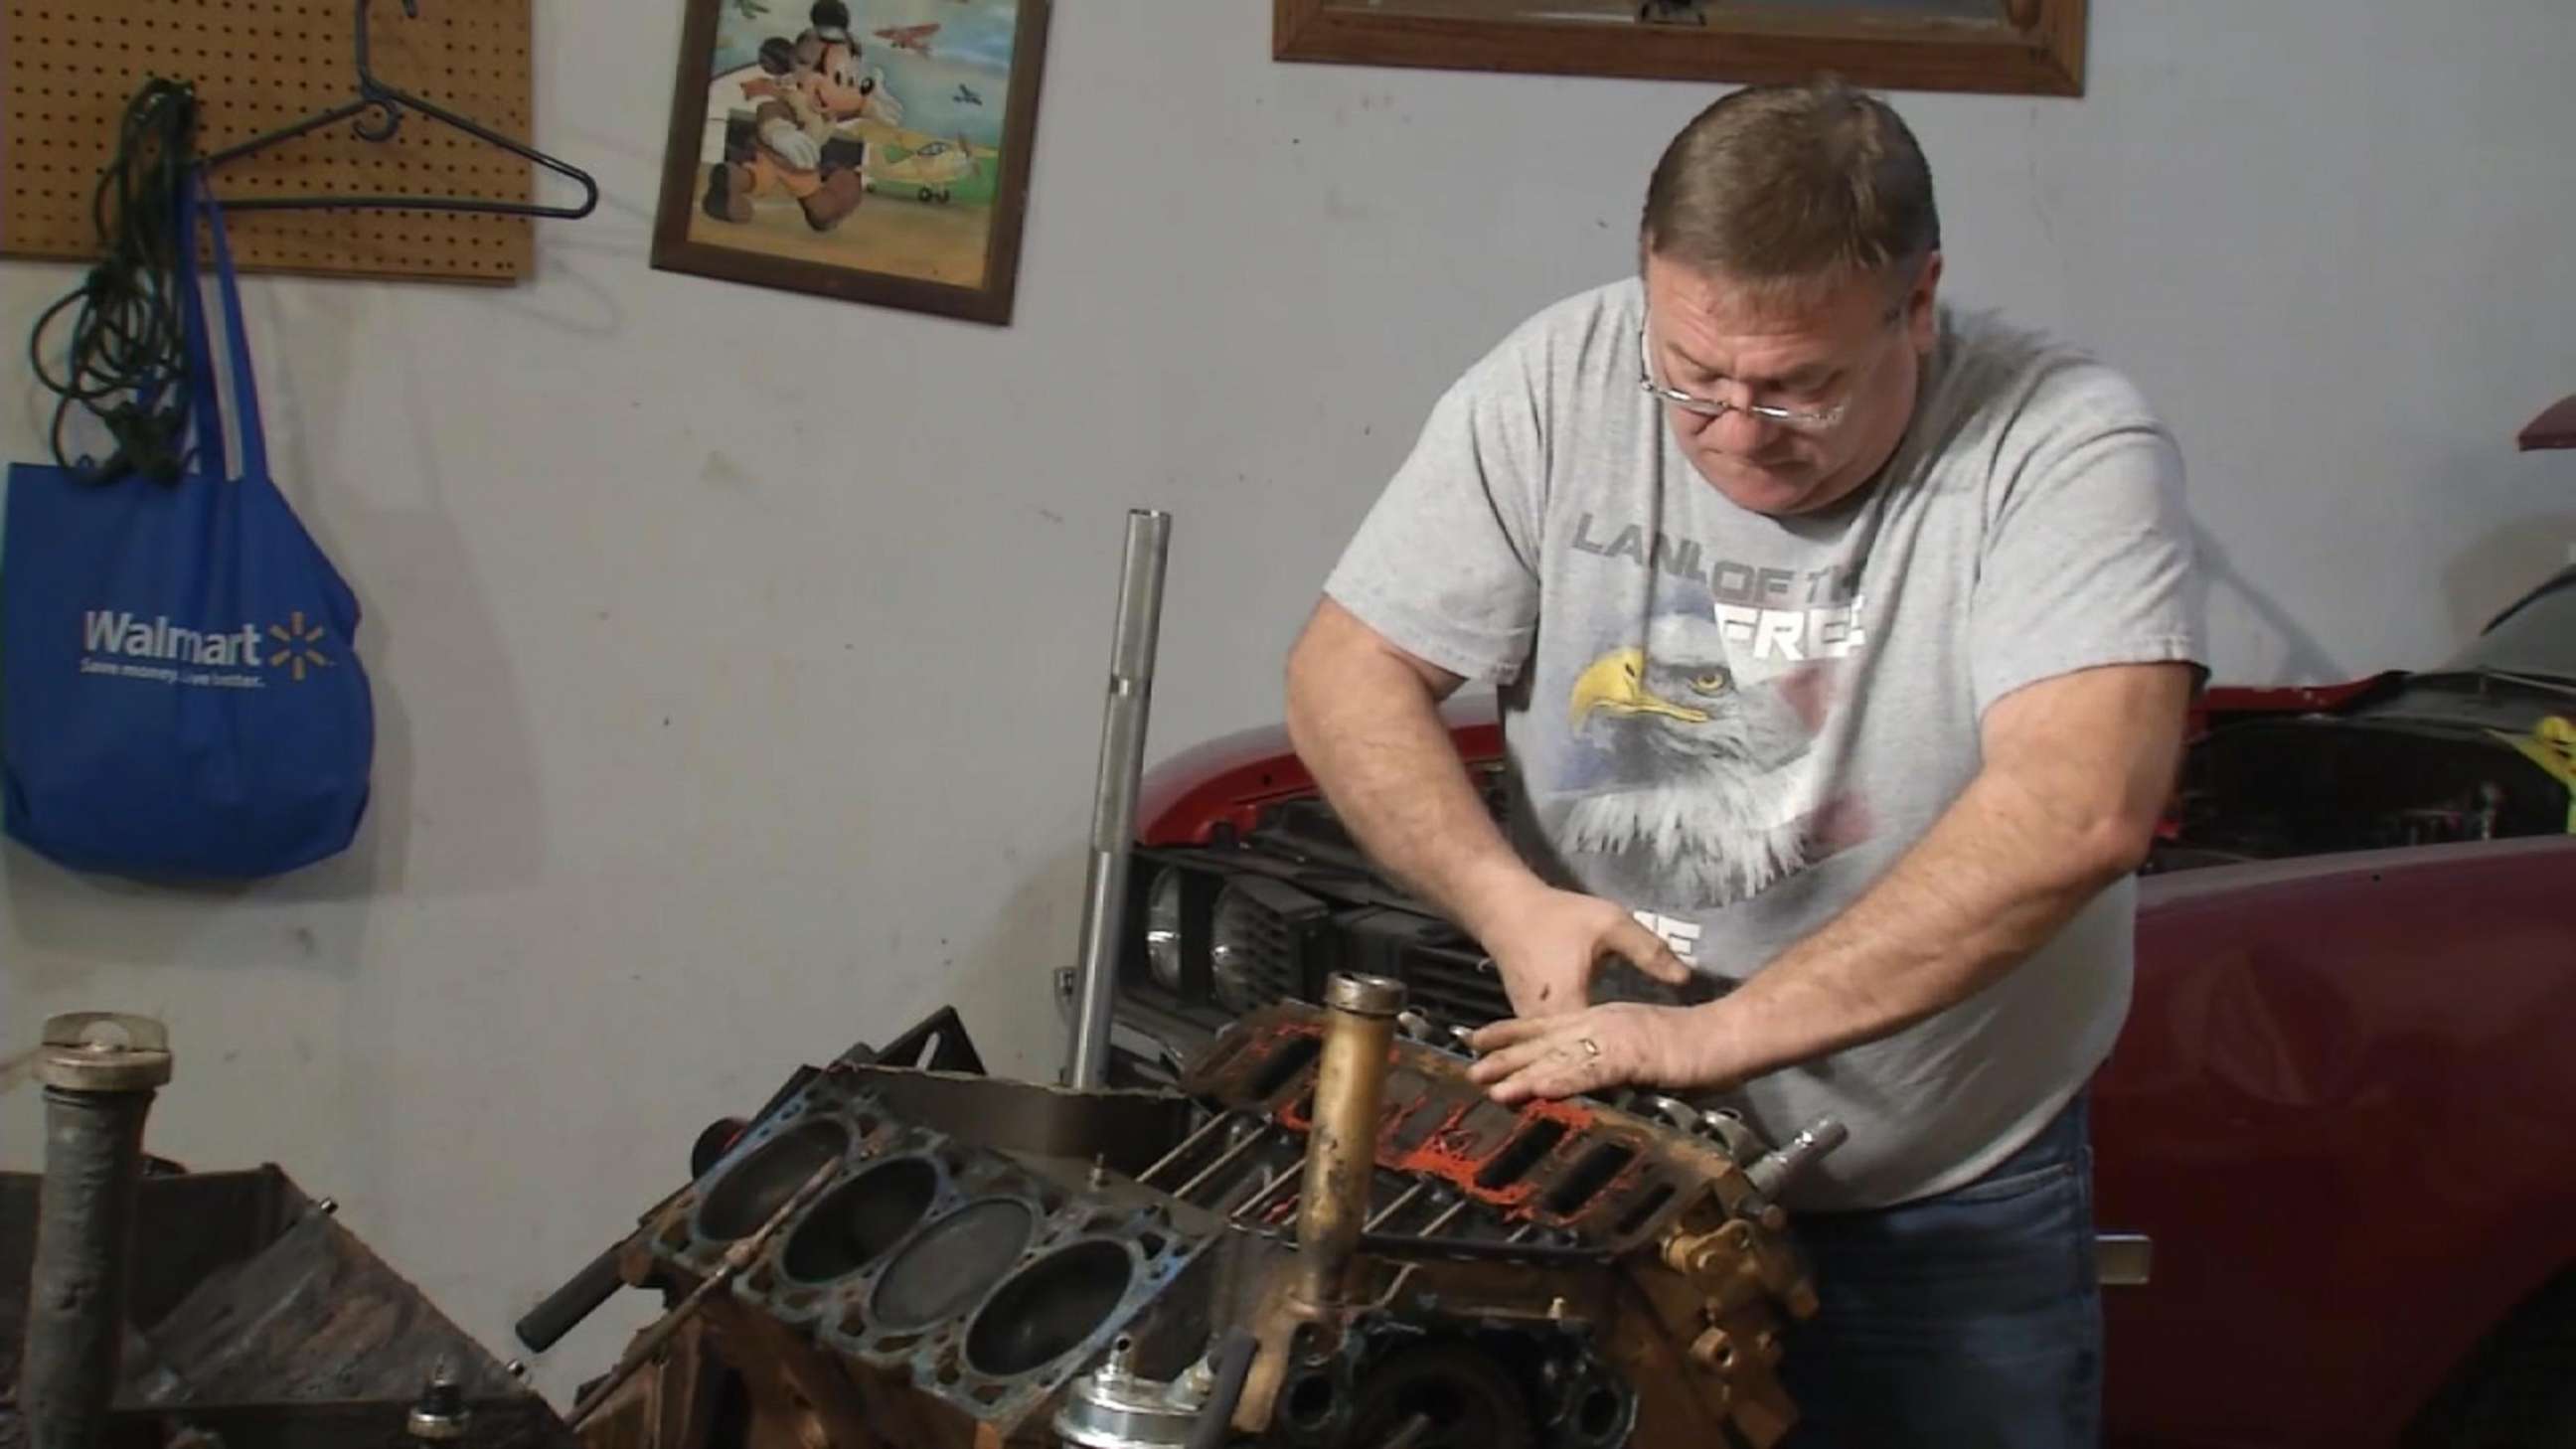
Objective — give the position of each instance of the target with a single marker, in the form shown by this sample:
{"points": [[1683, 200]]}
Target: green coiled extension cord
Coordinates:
{"points": [[127, 363]]}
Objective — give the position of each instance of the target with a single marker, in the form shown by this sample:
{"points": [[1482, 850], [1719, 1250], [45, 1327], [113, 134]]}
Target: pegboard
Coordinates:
{"points": [[258, 65]]}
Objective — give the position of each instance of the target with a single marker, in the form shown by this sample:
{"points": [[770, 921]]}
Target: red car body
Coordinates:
{"points": [[2343, 1110]]}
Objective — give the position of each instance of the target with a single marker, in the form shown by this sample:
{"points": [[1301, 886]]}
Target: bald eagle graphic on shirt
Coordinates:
{"points": [[1692, 777]]}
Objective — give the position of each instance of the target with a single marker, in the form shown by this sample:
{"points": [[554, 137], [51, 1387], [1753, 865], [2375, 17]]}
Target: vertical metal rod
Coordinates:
{"points": [[97, 1094], [1113, 801], [1341, 1150]]}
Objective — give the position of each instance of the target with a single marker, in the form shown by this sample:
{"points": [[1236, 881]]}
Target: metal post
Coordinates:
{"points": [[1113, 801], [1341, 1149], [97, 1093], [1773, 1170]]}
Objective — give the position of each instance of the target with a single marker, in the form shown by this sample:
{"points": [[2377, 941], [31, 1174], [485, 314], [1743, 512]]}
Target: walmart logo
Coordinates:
{"points": [[299, 642], [294, 646]]}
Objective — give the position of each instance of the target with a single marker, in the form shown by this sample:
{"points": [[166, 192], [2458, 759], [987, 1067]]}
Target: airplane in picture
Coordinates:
{"points": [[967, 96], [915, 38]]}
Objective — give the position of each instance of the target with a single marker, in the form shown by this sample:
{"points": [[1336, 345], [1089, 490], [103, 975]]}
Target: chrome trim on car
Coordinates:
{"points": [[2122, 1260]]}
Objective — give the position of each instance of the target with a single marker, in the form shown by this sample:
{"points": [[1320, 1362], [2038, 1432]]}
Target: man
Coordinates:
{"points": [[1844, 645]]}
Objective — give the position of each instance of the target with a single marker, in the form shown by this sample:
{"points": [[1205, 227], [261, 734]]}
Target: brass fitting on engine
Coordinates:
{"points": [[1722, 1351], [1730, 1266], [1721, 1261]]}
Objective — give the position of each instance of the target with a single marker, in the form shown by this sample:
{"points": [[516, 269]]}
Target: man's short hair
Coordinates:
{"points": [[1791, 184]]}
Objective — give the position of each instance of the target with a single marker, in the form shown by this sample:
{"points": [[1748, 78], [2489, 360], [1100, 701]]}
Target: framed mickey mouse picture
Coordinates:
{"points": [[871, 150]]}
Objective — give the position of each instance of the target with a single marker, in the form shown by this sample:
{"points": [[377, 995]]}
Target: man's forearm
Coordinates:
{"points": [[1990, 883], [2077, 769], [1369, 728]]}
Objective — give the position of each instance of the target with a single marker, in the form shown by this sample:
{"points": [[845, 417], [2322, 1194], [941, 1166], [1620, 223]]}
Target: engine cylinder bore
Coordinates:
{"points": [[1602, 1416], [1441, 1395], [757, 1187], [1045, 1310], [950, 1264], [858, 1221], [1590, 1406]]}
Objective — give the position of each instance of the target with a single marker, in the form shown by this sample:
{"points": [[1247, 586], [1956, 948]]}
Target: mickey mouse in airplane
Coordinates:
{"points": [[789, 142]]}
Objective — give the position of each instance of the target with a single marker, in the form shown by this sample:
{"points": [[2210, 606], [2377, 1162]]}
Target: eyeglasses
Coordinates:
{"points": [[1805, 420]]}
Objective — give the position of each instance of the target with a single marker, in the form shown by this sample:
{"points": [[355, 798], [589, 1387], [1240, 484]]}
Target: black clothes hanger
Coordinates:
{"points": [[388, 105]]}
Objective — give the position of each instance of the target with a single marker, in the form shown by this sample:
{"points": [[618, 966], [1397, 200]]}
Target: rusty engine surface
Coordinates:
{"points": [[1328, 1236], [254, 1319]]}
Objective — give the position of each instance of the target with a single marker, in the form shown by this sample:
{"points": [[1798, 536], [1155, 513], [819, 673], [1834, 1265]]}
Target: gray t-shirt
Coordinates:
{"points": [[1733, 724]]}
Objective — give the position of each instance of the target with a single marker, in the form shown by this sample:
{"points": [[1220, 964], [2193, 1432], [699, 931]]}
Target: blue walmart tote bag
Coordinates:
{"points": [[179, 698]]}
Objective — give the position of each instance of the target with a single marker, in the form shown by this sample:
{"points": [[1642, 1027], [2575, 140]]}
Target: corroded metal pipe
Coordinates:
{"points": [[1341, 1151], [97, 1093]]}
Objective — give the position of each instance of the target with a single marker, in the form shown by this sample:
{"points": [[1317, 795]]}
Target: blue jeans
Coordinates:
{"points": [[1969, 1320]]}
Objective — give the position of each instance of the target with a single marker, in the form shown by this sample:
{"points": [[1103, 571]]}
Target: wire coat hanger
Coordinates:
{"points": [[388, 104]]}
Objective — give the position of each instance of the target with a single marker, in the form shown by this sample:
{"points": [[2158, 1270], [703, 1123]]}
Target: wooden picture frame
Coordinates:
{"points": [[2018, 47], [909, 187]]}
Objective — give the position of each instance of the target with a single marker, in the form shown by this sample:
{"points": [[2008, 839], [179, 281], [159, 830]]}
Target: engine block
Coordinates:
{"points": [[895, 1256]]}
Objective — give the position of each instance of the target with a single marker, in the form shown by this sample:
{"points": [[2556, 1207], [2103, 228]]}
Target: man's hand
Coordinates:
{"points": [[2076, 773], [1363, 716], [1547, 943], [1669, 1048]]}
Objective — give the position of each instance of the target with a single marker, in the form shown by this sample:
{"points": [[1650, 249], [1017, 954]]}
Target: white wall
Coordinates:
{"points": [[739, 654]]}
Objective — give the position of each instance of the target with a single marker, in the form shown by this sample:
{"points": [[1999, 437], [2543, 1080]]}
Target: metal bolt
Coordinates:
{"points": [[327, 1206], [441, 1414], [1195, 1384], [1674, 1110]]}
